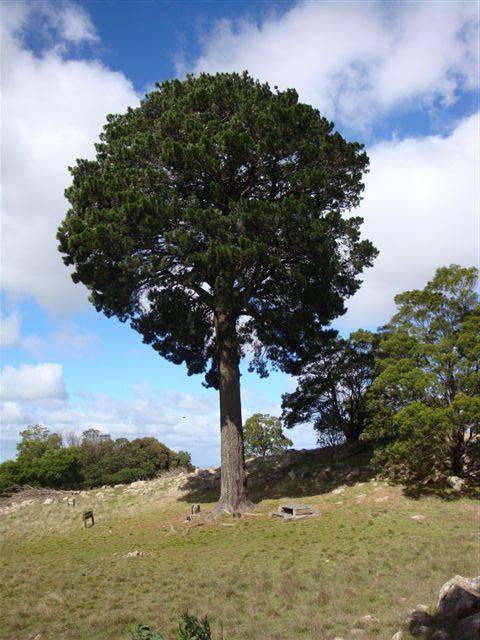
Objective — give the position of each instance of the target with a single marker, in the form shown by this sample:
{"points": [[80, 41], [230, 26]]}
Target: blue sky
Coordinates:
{"points": [[400, 77]]}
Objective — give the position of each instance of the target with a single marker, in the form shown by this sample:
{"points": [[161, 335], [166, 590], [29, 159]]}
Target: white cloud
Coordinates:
{"points": [[188, 421], [67, 341], [9, 330], [32, 382], [180, 420], [356, 60], [421, 210], [53, 108], [73, 23]]}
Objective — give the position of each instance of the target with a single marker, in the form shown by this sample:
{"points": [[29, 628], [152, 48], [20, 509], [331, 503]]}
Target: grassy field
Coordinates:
{"points": [[256, 578]]}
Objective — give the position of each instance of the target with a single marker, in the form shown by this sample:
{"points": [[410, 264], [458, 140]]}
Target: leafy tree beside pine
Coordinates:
{"points": [[264, 436], [332, 389], [214, 219], [426, 397]]}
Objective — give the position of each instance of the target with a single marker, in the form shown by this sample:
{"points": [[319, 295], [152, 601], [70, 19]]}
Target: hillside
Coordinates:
{"points": [[256, 577]]}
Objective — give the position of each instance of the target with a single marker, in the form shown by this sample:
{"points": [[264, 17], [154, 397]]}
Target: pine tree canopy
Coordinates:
{"points": [[219, 197]]}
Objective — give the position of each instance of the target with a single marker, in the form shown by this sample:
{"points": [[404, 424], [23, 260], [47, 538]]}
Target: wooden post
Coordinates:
{"points": [[88, 515]]}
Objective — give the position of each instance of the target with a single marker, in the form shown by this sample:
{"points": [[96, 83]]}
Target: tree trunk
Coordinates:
{"points": [[233, 496], [457, 451]]}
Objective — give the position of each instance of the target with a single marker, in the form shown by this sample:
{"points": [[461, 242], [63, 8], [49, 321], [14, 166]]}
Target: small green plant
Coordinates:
{"points": [[190, 628], [143, 632]]}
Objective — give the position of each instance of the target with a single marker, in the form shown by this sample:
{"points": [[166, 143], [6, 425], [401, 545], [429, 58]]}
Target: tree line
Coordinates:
{"points": [[94, 459]]}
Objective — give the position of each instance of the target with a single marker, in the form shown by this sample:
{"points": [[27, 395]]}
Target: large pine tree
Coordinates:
{"points": [[212, 219]]}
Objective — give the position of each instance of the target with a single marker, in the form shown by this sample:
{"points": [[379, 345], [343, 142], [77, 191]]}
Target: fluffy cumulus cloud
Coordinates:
{"points": [[32, 382], [357, 61], [421, 210], [53, 107]]}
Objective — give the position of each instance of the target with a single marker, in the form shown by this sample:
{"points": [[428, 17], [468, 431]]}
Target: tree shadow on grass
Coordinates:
{"points": [[294, 475], [417, 491]]}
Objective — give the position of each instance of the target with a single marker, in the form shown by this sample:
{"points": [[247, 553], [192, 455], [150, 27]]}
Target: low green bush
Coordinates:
{"points": [[190, 628]]}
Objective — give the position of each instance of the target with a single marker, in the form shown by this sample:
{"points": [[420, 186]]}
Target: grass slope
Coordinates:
{"points": [[256, 578]]}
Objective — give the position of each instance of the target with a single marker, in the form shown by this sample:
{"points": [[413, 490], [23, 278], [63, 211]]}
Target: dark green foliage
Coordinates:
{"points": [[143, 632], [8, 475], [98, 460], [218, 195], [190, 628], [331, 391], [426, 396], [264, 436]]}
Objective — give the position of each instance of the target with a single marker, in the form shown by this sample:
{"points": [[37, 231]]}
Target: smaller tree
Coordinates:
{"points": [[264, 436], [35, 442], [331, 391], [425, 399]]}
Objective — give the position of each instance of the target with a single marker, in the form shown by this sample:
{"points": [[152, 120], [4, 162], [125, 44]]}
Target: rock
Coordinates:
{"points": [[321, 475], [354, 474], [421, 607], [458, 599], [366, 621], [292, 475], [475, 583], [468, 628], [358, 633], [422, 631], [418, 618], [418, 517], [398, 636], [339, 490], [456, 483], [48, 501], [135, 554], [138, 484]]}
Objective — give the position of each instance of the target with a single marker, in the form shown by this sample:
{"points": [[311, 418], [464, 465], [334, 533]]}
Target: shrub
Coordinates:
{"points": [[190, 628]]}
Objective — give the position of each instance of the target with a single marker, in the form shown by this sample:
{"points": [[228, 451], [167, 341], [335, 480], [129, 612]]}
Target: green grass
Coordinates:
{"points": [[256, 578]]}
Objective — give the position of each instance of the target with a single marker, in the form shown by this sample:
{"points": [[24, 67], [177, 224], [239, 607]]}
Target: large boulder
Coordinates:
{"points": [[468, 628], [459, 598]]}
